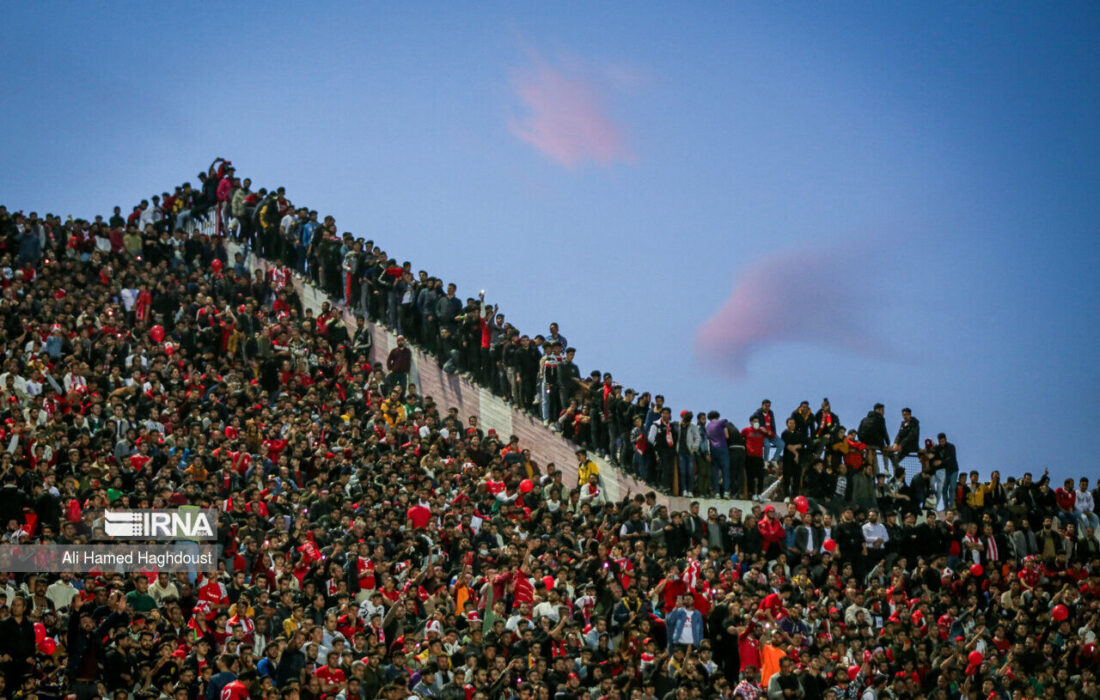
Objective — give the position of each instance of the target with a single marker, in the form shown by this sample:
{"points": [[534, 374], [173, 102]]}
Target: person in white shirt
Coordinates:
{"points": [[874, 532], [520, 619], [549, 608], [1086, 508], [370, 607], [62, 591], [163, 589], [151, 215]]}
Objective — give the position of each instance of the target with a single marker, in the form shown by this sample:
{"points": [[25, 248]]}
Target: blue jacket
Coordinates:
{"points": [[676, 621], [30, 246]]}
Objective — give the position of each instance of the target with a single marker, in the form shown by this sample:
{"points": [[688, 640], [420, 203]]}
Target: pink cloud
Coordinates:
{"points": [[567, 117], [803, 296]]}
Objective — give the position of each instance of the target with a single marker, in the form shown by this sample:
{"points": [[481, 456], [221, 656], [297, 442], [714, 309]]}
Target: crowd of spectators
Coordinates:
{"points": [[377, 544]]}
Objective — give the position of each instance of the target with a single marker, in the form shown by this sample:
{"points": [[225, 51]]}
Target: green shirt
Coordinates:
{"points": [[140, 602]]}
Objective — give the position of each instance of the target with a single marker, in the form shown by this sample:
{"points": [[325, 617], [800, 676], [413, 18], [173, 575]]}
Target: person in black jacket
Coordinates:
{"points": [[872, 432], [804, 421], [907, 441], [85, 648], [795, 453], [826, 429], [568, 377], [17, 644]]}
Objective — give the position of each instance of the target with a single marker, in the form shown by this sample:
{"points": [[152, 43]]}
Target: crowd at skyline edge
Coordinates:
{"points": [[380, 545]]}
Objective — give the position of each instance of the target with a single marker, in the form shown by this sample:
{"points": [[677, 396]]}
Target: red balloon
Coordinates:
{"points": [[169, 348], [548, 581], [976, 570], [801, 504], [1060, 612], [39, 632], [157, 333], [975, 658], [829, 545], [48, 646], [853, 671], [526, 486], [217, 265]]}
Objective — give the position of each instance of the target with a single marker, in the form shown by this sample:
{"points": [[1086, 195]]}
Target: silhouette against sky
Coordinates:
{"points": [[720, 202]]}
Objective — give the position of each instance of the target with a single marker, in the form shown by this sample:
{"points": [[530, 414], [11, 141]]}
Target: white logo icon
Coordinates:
{"points": [[123, 524], [168, 525]]}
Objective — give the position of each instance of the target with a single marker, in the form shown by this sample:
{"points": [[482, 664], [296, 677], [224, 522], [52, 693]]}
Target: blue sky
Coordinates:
{"points": [[880, 201]]}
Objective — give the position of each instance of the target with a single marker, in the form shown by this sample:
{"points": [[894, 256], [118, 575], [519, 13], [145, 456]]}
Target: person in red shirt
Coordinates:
{"points": [[672, 587], [754, 459], [772, 531], [748, 647], [1066, 499], [1031, 573], [213, 591], [856, 451], [775, 603], [332, 677], [419, 516], [235, 690]]}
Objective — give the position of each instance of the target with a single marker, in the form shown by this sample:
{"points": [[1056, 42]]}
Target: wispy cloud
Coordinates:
{"points": [[806, 296], [567, 113]]}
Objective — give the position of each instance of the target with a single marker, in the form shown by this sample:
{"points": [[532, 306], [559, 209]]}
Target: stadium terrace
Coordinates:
{"points": [[417, 499]]}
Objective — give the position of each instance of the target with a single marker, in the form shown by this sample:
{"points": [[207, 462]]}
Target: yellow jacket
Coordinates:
{"points": [[585, 470]]}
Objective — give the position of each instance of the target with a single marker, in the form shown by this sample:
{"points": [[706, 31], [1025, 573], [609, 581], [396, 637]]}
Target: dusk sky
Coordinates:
{"points": [[719, 202]]}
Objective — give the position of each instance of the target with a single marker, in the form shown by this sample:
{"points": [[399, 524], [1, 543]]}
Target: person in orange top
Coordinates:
{"points": [[196, 470]]}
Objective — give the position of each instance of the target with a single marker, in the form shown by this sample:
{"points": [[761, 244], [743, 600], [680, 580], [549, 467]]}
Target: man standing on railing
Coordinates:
{"points": [[946, 470], [773, 444]]}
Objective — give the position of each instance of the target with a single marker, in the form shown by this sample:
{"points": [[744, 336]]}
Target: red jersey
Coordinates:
{"points": [[214, 593], [330, 676], [774, 604], [673, 590], [754, 442], [365, 567], [420, 516], [235, 690], [1066, 500], [748, 647], [1030, 576], [522, 590]]}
